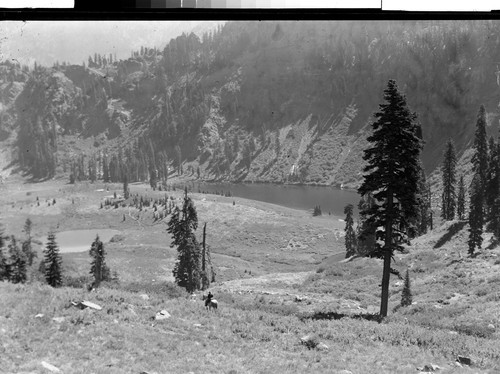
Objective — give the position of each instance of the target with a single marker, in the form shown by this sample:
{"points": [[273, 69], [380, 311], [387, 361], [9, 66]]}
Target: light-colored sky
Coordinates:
{"points": [[73, 41]]}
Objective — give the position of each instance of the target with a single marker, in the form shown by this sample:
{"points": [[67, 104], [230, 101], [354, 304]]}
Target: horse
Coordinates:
{"points": [[210, 303]]}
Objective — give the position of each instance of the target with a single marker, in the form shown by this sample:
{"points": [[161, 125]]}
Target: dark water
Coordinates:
{"points": [[298, 197]]}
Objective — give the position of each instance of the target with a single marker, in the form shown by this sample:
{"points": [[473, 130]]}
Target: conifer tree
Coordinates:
{"points": [[350, 235], [365, 230], [28, 251], [53, 262], [492, 187], [461, 199], [480, 157], [5, 266], [475, 215], [126, 192], [392, 175], [17, 262], [182, 224], [449, 181], [98, 266], [406, 298]]}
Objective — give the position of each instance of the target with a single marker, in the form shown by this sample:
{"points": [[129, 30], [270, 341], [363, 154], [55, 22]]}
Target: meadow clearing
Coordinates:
{"points": [[280, 279]]}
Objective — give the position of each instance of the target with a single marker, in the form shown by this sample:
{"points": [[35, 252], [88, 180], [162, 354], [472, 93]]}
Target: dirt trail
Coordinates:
{"points": [[279, 287]]}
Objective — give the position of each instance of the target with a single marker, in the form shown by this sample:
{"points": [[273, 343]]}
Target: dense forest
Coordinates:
{"points": [[251, 101]]}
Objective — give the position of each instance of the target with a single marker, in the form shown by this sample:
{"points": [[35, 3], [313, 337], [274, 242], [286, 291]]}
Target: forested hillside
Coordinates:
{"points": [[251, 101]]}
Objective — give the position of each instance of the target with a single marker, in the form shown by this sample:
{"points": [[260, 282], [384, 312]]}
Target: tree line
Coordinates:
{"points": [[15, 260]]}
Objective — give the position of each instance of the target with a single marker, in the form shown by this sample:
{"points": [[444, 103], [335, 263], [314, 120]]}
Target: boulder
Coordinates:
{"points": [[39, 315], [322, 347], [143, 296], [88, 304], [163, 314], [58, 319], [85, 304], [491, 326], [464, 360], [50, 367]]}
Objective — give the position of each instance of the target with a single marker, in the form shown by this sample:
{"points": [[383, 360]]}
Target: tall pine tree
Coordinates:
{"points": [[491, 193], [449, 182], [406, 297], [392, 175], [53, 262], [475, 215], [28, 251], [182, 225], [98, 266], [350, 235], [17, 262], [480, 157], [461, 199]]}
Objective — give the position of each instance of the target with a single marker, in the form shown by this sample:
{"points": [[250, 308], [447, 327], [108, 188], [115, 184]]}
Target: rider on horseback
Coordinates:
{"points": [[209, 298]]}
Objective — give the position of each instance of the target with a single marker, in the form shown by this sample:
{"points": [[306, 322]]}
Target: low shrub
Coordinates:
{"points": [[477, 330], [77, 282], [166, 289]]}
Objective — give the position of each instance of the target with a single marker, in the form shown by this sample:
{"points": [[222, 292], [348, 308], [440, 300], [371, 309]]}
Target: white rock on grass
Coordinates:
{"points": [[89, 304], [162, 315], [50, 367]]}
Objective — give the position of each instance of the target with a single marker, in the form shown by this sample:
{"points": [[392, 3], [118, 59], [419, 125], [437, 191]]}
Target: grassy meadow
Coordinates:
{"points": [[280, 277]]}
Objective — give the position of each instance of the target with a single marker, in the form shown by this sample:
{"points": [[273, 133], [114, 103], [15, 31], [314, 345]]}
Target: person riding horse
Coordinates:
{"points": [[210, 302], [209, 298]]}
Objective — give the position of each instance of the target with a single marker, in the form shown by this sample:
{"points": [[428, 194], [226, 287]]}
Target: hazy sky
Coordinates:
{"points": [[73, 41]]}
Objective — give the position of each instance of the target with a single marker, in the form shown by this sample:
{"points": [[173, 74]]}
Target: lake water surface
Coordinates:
{"points": [[80, 240], [292, 196]]}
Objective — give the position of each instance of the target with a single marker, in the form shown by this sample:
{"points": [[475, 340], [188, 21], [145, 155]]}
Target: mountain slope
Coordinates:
{"points": [[264, 101]]}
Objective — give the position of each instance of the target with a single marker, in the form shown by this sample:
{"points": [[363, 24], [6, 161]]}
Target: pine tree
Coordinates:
{"points": [[17, 262], [392, 175], [480, 157], [449, 181], [350, 235], [475, 215], [365, 230], [28, 251], [53, 262], [406, 298], [126, 191], [492, 188], [461, 199], [98, 266], [182, 224], [206, 262]]}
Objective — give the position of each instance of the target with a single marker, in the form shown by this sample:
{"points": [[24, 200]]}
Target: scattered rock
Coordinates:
{"points": [[162, 315], [39, 315], [85, 304], [143, 296], [464, 360], [58, 319], [88, 304], [50, 367], [310, 341], [322, 347], [431, 368]]}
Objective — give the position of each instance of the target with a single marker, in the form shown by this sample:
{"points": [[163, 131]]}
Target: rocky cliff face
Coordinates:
{"points": [[260, 101]]}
